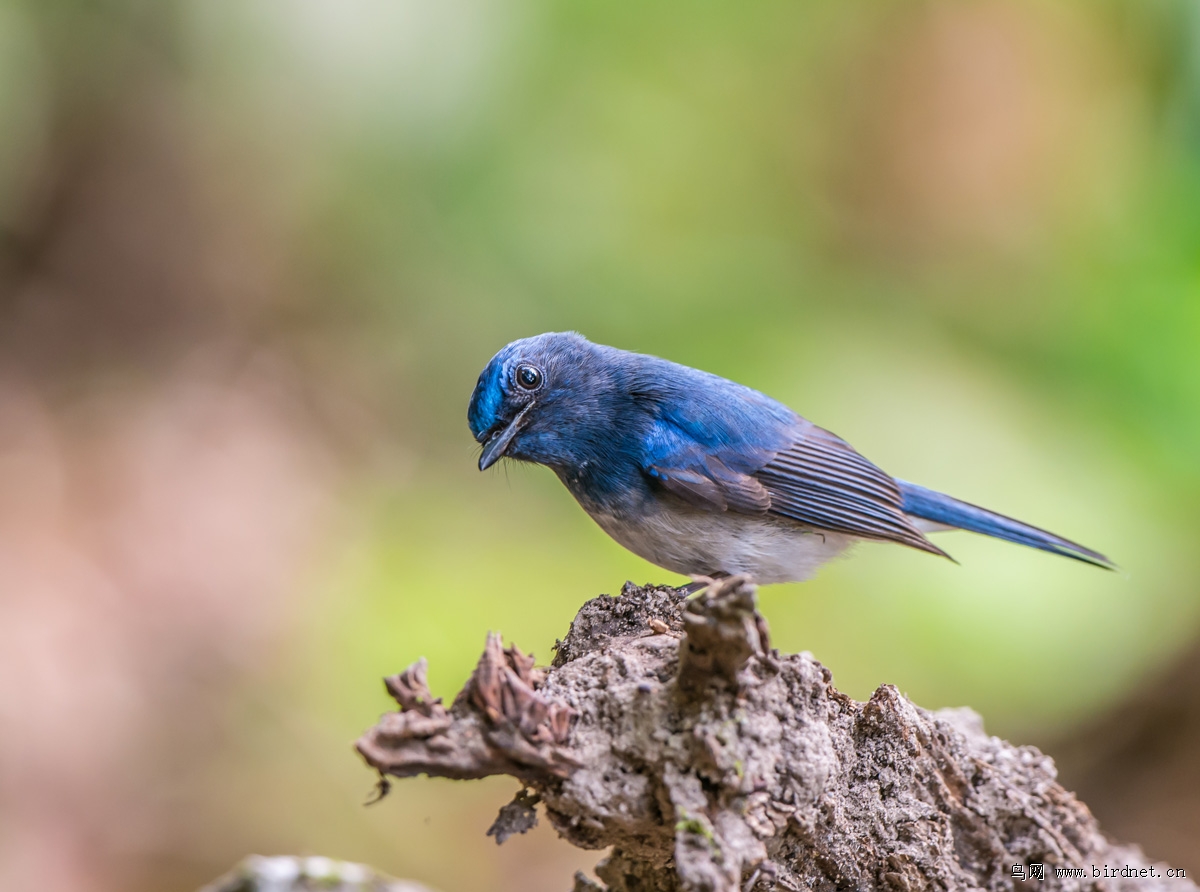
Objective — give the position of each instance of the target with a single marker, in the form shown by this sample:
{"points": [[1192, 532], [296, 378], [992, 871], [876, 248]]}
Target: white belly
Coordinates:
{"points": [[698, 543]]}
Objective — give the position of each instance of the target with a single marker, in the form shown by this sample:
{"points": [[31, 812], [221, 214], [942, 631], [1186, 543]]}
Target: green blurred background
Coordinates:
{"points": [[254, 254]]}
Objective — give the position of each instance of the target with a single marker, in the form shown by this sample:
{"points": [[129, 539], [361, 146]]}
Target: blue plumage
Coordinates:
{"points": [[943, 509], [702, 475]]}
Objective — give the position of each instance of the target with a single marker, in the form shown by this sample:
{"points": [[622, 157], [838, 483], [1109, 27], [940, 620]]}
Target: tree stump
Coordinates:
{"points": [[670, 731]]}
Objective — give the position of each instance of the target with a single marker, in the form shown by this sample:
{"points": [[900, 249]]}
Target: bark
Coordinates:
{"points": [[670, 731]]}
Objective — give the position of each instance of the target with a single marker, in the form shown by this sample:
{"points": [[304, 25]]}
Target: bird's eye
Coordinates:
{"points": [[529, 377]]}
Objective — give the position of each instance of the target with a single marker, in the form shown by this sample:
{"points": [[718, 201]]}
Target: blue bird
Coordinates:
{"points": [[704, 476]]}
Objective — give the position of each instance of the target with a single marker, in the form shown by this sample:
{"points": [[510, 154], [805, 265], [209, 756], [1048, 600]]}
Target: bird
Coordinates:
{"points": [[703, 476]]}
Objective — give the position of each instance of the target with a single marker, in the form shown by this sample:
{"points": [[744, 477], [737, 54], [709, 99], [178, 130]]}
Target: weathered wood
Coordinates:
{"points": [[669, 730]]}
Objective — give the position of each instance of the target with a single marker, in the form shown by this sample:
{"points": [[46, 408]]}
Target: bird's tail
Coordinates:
{"points": [[940, 508]]}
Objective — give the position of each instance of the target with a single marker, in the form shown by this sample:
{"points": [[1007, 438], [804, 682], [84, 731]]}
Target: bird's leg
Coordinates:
{"points": [[699, 584]]}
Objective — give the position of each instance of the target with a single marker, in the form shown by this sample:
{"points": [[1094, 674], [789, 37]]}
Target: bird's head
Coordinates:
{"points": [[538, 400]]}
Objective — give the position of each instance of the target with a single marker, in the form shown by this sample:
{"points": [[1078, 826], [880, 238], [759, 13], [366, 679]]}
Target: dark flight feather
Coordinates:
{"points": [[821, 481]]}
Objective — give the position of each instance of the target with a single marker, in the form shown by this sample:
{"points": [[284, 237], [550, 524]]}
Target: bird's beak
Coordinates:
{"points": [[498, 443]]}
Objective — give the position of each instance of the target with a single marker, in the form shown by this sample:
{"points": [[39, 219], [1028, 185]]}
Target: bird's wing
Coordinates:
{"points": [[821, 481], [817, 479]]}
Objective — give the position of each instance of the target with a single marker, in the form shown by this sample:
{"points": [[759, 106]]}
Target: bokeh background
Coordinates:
{"points": [[253, 254]]}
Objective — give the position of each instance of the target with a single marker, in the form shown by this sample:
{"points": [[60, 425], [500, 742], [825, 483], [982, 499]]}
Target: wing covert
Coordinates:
{"points": [[712, 476], [711, 485]]}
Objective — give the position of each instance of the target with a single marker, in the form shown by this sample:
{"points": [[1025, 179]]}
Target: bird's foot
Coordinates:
{"points": [[699, 584]]}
